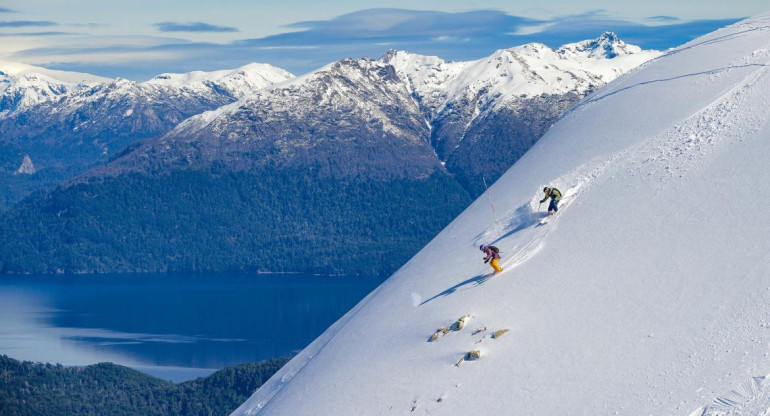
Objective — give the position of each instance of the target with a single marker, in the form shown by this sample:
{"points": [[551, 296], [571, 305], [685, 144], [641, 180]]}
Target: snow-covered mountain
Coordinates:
{"points": [[530, 70], [68, 122], [403, 114], [36, 84], [104, 117], [308, 162], [350, 118], [24, 85], [497, 107], [646, 294], [240, 82], [18, 70]]}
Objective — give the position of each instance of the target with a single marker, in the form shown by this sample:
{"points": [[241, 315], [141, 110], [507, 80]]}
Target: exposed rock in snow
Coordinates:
{"points": [[499, 333], [26, 168], [439, 333], [460, 324]]}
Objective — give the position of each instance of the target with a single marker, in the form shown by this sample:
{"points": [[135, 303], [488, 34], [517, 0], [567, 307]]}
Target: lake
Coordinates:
{"points": [[176, 327]]}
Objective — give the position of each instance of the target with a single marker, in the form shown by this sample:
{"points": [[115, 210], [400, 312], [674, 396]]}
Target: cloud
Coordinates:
{"points": [[88, 25], [37, 34], [27, 23], [4, 10], [402, 25], [658, 36], [312, 44], [663, 19], [475, 33], [192, 27]]}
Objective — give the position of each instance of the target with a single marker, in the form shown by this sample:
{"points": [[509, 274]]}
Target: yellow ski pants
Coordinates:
{"points": [[496, 266]]}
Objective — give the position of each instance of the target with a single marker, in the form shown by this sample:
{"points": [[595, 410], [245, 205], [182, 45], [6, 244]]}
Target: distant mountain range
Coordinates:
{"points": [[67, 123], [350, 168]]}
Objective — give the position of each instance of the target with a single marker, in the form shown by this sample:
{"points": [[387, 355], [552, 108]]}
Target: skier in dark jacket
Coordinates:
{"points": [[555, 196], [493, 257]]}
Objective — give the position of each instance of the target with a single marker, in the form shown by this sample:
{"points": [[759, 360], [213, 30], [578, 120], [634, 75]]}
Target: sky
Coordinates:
{"points": [[142, 38]]}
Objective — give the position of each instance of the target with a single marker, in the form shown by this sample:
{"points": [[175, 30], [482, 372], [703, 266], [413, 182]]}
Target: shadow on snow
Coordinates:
{"points": [[522, 218]]}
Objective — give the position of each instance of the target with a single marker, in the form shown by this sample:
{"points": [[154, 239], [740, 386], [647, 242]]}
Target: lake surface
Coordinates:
{"points": [[176, 327]]}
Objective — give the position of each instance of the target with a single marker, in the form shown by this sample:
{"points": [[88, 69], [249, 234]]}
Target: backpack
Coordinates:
{"points": [[494, 249]]}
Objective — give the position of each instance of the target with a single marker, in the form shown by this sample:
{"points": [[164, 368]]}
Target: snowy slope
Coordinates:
{"points": [[648, 293], [18, 69], [239, 82], [24, 85]]}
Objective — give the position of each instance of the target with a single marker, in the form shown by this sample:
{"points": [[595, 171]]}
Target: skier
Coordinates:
{"points": [[493, 257], [555, 196]]}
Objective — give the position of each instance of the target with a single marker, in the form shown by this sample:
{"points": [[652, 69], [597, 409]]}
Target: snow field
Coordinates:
{"points": [[647, 294]]}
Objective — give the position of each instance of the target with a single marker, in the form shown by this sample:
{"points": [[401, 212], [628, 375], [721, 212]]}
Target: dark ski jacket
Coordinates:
{"points": [[555, 194], [490, 254]]}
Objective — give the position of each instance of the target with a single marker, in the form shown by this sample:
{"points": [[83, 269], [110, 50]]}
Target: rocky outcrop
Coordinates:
{"points": [[26, 168]]}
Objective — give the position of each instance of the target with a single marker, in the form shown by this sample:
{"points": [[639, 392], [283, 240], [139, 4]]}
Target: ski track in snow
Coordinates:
{"points": [[519, 233], [671, 154], [752, 397]]}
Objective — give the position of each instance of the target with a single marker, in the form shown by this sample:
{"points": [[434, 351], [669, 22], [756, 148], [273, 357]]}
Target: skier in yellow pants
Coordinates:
{"points": [[493, 257]]}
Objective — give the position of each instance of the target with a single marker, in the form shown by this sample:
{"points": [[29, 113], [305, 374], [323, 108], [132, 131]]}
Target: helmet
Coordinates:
{"points": [[546, 189], [481, 247]]}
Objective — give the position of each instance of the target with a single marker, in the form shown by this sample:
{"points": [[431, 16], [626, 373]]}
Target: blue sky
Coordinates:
{"points": [[141, 38]]}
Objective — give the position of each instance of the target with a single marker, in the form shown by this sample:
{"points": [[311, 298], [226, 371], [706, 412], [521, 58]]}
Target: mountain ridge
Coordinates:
{"points": [[483, 98], [65, 128]]}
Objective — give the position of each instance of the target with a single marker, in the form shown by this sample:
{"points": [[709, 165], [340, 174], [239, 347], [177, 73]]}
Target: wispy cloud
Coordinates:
{"points": [[27, 23], [37, 34], [663, 19], [402, 25], [192, 27], [88, 25], [5, 10]]}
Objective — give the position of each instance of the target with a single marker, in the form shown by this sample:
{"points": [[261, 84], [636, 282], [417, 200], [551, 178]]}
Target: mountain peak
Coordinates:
{"points": [[405, 61], [391, 54], [607, 46]]}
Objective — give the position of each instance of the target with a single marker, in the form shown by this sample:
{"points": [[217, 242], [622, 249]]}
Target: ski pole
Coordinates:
{"points": [[489, 196]]}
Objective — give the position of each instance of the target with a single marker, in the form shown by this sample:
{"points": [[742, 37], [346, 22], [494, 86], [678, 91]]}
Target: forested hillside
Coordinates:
{"points": [[33, 389]]}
